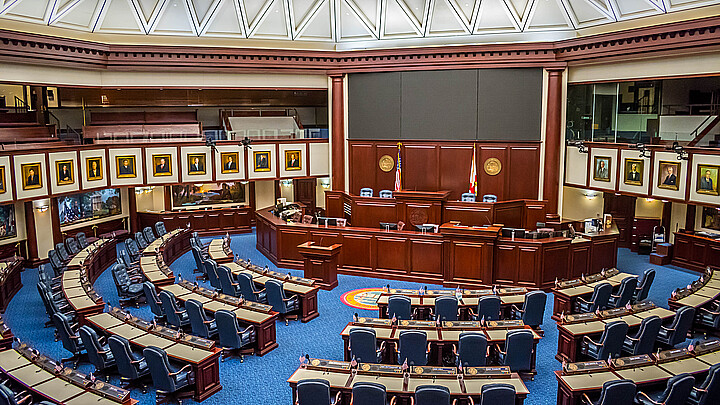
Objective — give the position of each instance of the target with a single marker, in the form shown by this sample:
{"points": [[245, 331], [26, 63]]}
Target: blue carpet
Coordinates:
{"points": [[262, 380]]}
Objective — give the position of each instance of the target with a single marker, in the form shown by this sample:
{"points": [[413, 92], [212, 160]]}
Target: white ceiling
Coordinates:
{"points": [[346, 24]]}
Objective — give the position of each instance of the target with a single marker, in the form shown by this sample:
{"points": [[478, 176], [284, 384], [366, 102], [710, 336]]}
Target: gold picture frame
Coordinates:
{"points": [[196, 167], [31, 176], [64, 169], [669, 175], [293, 160], [3, 189], [162, 164], [229, 162], [94, 168], [124, 170], [601, 168], [634, 172], [261, 161], [707, 179]]}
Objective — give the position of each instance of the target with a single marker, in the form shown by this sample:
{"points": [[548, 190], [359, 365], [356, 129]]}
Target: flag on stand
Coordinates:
{"points": [[473, 175], [398, 170]]}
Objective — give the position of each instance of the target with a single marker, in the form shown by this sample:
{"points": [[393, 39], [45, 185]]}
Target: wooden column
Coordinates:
{"points": [[55, 218], [666, 220], [338, 133], [168, 198], [132, 207], [690, 217], [553, 137], [251, 201], [32, 247]]}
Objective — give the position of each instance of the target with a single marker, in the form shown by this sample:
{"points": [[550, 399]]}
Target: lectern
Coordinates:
{"points": [[321, 263]]}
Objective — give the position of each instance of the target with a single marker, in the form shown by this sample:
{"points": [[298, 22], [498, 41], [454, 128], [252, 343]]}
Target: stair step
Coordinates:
{"points": [[659, 260]]}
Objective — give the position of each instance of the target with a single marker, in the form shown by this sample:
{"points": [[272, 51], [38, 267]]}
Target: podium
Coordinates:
{"points": [[321, 263]]}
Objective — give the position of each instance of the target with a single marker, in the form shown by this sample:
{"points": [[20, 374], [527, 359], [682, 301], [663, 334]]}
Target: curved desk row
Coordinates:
{"points": [[6, 335], [162, 250], [211, 221], [10, 280], [700, 293], [82, 270], [567, 291], [341, 378]]}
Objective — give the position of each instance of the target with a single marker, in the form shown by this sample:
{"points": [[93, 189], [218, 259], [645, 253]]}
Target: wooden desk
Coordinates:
{"points": [[212, 221], [566, 292], [172, 245], [10, 280], [82, 270], [702, 294], [320, 263], [219, 252], [696, 252]]}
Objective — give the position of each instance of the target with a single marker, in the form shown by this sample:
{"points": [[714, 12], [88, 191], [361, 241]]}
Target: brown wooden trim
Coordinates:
{"points": [[690, 217], [132, 208], [338, 134], [553, 137], [55, 218], [30, 234]]}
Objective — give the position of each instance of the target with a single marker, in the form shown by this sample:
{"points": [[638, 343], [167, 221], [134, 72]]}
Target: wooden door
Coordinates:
{"points": [[305, 193], [622, 208]]}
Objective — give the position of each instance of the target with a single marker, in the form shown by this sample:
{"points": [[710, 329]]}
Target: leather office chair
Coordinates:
{"points": [[413, 348], [497, 394], [153, 301], [708, 393], [366, 192], [46, 274], [227, 285], [431, 395], [70, 340], [488, 308], [446, 308], [52, 308], [199, 322], [168, 380], [643, 288], [129, 263], [369, 393], [471, 350], [490, 198], [598, 300], [362, 344], [72, 245], [199, 262], [56, 262], [625, 293], [82, 240], [175, 317], [385, 194], [10, 397], [132, 248], [132, 367], [148, 234], [62, 252], [469, 197], [140, 240], [160, 228], [518, 351], [616, 392], [533, 309], [643, 342], [129, 289], [315, 391], [709, 317], [399, 307], [676, 392], [677, 331], [248, 290], [211, 269], [276, 297], [230, 337], [100, 355], [610, 343]]}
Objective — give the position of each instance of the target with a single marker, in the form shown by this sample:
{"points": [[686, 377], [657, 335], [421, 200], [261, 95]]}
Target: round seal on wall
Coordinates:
{"points": [[386, 163], [492, 166], [418, 216]]}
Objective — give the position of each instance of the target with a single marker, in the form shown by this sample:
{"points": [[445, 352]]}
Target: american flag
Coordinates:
{"points": [[473, 175], [398, 170]]}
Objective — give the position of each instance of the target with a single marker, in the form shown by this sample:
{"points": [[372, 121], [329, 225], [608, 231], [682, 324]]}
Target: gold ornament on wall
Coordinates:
{"points": [[386, 163], [492, 166]]}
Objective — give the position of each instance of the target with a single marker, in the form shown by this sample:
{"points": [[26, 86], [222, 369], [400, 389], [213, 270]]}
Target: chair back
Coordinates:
{"points": [[148, 234], [711, 385], [601, 296], [677, 390], [199, 261], [226, 283], [649, 329], [489, 308], [412, 346], [7, 396], [49, 309], [490, 198], [159, 366], [140, 240], [247, 286], [211, 269], [275, 296], [681, 324], [120, 348], [469, 197], [432, 395], [313, 391], [518, 349], [399, 307], [55, 262], [363, 345], [82, 239], [120, 277], [366, 192], [61, 251], [228, 329], [627, 289], [170, 308], [62, 324], [446, 308], [617, 392], [93, 347], [152, 299], [644, 287], [612, 340], [132, 247], [72, 245], [160, 228], [472, 349], [497, 394], [368, 393], [385, 194], [534, 308], [125, 258], [197, 316]]}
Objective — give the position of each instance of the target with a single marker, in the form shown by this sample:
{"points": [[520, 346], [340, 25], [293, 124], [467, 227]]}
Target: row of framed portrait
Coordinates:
{"points": [[669, 173]]}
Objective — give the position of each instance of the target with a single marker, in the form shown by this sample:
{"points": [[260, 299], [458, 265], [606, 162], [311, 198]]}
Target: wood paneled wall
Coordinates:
{"points": [[443, 165]]}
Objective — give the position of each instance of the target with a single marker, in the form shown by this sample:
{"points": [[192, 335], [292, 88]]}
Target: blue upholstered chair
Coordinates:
{"points": [[70, 340], [199, 322], [385, 194], [676, 333], [610, 343], [366, 192], [131, 366], [56, 262], [169, 381], [708, 392], [598, 300], [469, 197], [132, 248], [518, 351], [413, 347], [125, 259], [231, 337], [533, 309], [625, 293], [153, 301], [488, 308], [276, 297], [446, 308], [643, 288], [72, 245], [363, 345], [710, 316], [227, 285], [10, 397], [471, 350], [399, 307], [315, 391], [129, 289], [148, 234], [175, 316], [211, 270], [62, 252], [490, 198], [497, 394], [248, 290], [82, 240], [140, 240], [677, 390], [432, 395], [100, 355], [199, 261], [160, 228], [368, 393], [615, 392], [643, 342]]}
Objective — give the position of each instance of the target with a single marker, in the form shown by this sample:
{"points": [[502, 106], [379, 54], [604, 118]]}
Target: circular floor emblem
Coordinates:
{"points": [[364, 298]]}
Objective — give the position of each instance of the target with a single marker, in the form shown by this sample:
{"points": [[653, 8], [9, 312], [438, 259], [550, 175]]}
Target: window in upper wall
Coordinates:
{"points": [[208, 194]]}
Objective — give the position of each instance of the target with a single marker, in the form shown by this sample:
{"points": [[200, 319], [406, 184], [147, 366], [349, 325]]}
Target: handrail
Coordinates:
{"points": [[22, 104], [68, 128]]}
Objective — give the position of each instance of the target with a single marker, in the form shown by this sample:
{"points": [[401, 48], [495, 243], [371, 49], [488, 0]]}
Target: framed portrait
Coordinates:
{"points": [[292, 160], [634, 171], [230, 162], [196, 163], [31, 176], [64, 170], [2, 180], [668, 174], [162, 165], [601, 168], [708, 179], [126, 166], [94, 168], [261, 160]]}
